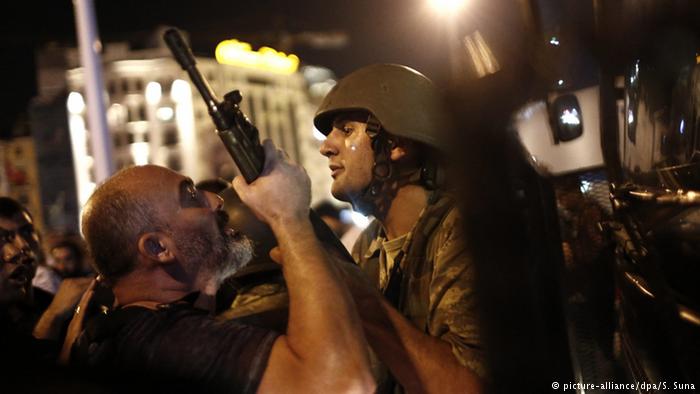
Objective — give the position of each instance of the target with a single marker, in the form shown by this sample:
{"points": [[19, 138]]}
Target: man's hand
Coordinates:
{"points": [[69, 294], [281, 193], [323, 349], [61, 308]]}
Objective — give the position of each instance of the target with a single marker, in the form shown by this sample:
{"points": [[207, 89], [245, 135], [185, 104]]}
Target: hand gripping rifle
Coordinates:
{"points": [[238, 134]]}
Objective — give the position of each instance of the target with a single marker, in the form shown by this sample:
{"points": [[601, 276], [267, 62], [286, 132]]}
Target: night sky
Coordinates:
{"points": [[405, 32]]}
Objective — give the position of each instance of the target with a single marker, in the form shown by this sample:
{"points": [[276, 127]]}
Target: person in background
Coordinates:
{"points": [[20, 245], [23, 321], [66, 257]]}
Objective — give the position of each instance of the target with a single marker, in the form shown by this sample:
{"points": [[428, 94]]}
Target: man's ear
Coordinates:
{"points": [[156, 246], [398, 152]]}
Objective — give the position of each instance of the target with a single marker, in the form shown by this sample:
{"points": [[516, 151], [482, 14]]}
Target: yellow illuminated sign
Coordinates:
{"points": [[239, 53]]}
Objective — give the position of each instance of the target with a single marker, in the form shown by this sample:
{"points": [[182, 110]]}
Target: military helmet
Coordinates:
{"points": [[405, 102]]}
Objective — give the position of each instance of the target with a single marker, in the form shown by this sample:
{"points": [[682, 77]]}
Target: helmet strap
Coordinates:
{"points": [[377, 196], [387, 178]]}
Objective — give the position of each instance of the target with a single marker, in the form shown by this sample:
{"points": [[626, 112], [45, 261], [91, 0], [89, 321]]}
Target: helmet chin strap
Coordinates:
{"points": [[376, 198]]}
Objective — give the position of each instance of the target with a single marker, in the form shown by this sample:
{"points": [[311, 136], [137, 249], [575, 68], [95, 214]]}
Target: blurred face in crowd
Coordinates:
{"points": [[20, 244], [350, 156], [199, 229], [65, 261]]}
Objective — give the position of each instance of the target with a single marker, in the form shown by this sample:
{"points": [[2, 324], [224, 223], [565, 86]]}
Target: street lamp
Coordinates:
{"points": [[447, 7], [450, 10]]}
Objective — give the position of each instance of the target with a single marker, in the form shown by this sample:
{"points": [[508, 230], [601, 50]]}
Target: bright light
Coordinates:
{"points": [[530, 109], [75, 103], [630, 116], [164, 113], [570, 117], [681, 128], [81, 161], [560, 82], [585, 186], [153, 93], [238, 53], [184, 120], [356, 218], [554, 41], [634, 76], [115, 114], [321, 89], [481, 55], [86, 191], [139, 151], [318, 135], [447, 7], [180, 91], [315, 74]]}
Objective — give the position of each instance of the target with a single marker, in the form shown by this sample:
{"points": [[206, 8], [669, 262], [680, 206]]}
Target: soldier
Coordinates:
{"points": [[382, 124]]}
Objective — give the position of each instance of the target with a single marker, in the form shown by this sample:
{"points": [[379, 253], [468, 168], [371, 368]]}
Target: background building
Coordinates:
{"points": [[19, 176], [155, 116]]}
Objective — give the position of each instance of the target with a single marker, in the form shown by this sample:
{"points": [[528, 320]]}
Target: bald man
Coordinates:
{"points": [[164, 247]]}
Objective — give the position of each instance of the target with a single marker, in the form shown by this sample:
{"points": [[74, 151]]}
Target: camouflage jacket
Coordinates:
{"points": [[432, 283]]}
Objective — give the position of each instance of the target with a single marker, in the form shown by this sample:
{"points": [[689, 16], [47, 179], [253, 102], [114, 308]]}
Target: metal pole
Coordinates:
{"points": [[90, 47]]}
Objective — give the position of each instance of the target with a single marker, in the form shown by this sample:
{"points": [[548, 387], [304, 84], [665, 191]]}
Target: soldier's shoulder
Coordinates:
{"points": [[449, 232], [452, 217]]}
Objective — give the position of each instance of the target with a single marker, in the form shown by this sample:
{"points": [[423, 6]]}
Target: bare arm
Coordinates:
{"points": [[420, 362], [324, 349]]}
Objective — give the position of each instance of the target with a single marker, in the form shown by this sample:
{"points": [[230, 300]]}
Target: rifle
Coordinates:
{"points": [[238, 134]]}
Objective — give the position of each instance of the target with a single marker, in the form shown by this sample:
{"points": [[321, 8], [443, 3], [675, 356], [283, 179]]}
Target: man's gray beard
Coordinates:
{"points": [[239, 252], [222, 256]]}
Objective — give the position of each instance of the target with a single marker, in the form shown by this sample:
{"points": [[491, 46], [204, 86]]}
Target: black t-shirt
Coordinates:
{"points": [[175, 346]]}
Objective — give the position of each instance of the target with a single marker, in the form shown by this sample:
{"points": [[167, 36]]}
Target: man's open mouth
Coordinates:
{"points": [[21, 275]]}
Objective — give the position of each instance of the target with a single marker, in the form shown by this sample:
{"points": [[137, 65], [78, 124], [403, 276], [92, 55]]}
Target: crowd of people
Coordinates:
{"points": [[200, 293], [467, 284]]}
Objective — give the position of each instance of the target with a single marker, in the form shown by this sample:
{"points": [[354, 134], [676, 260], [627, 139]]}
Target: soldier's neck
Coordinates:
{"points": [[404, 211]]}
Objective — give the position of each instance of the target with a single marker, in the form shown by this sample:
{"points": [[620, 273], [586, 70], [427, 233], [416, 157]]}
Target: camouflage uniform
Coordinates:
{"points": [[261, 299], [431, 282]]}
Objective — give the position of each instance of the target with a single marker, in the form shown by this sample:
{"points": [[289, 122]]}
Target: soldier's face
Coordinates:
{"points": [[350, 157]]}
